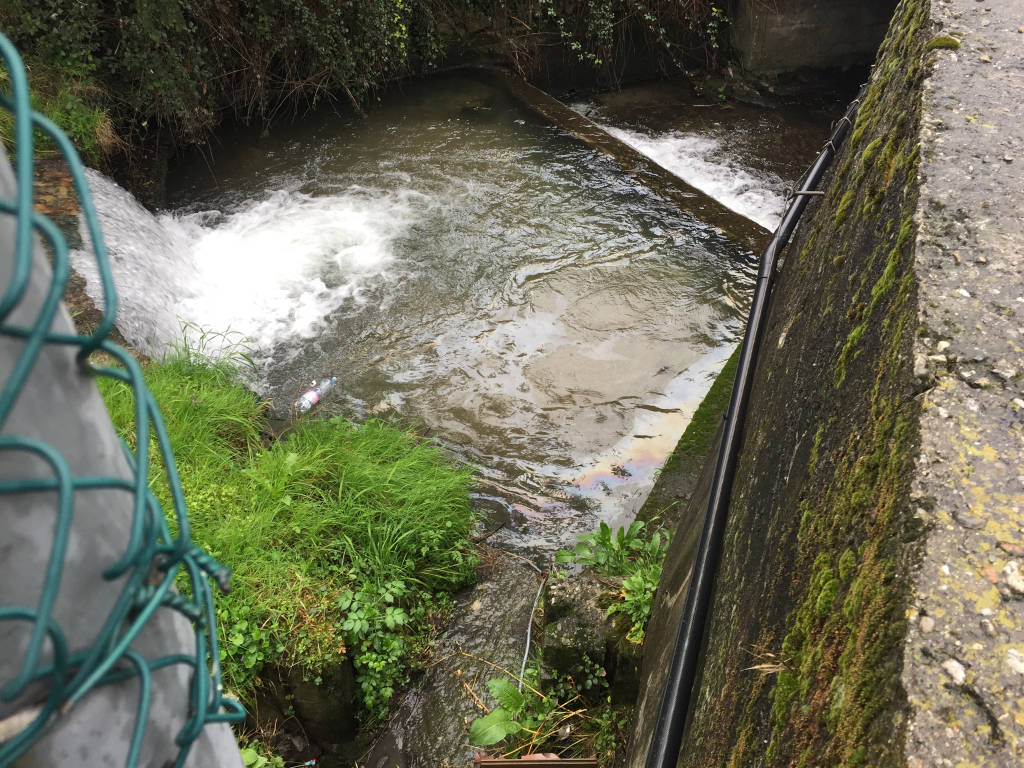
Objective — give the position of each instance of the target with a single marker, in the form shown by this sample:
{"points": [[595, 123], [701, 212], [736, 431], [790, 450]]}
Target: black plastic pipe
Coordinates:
{"points": [[675, 702]]}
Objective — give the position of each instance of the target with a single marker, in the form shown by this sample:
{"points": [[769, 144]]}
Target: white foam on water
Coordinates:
{"points": [[270, 270], [705, 163]]}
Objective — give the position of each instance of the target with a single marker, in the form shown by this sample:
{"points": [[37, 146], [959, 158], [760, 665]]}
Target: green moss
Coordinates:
{"points": [[827, 597], [892, 159], [812, 461], [870, 152], [839, 520], [808, 247], [858, 757], [847, 353], [847, 564], [785, 690], [858, 132], [806, 511], [694, 445], [844, 206], [871, 204], [907, 230], [942, 42], [837, 701], [696, 441], [850, 653], [879, 291]]}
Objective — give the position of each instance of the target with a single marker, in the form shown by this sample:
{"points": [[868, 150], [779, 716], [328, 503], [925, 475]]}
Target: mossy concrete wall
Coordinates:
{"points": [[869, 608]]}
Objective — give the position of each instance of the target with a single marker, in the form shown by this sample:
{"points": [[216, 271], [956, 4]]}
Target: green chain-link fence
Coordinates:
{"points": [[53, 672]]}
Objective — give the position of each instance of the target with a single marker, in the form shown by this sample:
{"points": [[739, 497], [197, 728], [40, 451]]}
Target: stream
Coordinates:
{"points": [[461, 264], [458, 262]]}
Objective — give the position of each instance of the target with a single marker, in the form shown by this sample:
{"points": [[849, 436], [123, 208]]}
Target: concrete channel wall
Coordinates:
{"points": [[774, 37], [869, 608]]}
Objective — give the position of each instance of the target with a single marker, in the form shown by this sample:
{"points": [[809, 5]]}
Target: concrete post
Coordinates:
{"points": [[62, 407]]}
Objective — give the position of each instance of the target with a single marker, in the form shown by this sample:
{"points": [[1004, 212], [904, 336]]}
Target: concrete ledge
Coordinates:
{"points": [[964, 654]]}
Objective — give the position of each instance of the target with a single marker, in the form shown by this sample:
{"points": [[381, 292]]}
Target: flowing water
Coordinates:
{"points": [[741, 155], [455, 260]]}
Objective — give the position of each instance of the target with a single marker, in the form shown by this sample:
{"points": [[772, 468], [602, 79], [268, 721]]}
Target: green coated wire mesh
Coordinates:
{"points": [[154, 558]]}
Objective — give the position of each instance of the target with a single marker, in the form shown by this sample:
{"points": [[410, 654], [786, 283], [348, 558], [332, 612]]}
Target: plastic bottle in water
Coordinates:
{"points": [[315, 395]]}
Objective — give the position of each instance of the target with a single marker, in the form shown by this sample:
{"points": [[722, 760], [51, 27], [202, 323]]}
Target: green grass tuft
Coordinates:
{"points": [[343, 538]]}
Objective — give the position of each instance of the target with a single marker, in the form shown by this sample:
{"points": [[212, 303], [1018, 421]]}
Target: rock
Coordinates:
{"points": [[1015, 660], [920, 366], [1013, 577], [1011, 548], [577, 628], [956, 670], [327, 710], [971, 522], [306, 719], [430, 725], [576, 623], [927, 623], [1004, 370]]}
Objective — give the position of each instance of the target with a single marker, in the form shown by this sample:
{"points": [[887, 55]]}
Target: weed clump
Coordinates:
{"points": [[573, 714], [633, 556], [531, 717]]}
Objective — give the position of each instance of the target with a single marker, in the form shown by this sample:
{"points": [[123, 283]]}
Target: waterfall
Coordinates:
{"points": [[270, 269]]}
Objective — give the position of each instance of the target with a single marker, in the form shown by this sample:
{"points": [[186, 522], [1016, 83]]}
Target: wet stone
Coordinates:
{"points": [[577, 633]]}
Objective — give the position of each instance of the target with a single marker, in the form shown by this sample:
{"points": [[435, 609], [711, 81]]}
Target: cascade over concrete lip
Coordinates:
{"points": [[964, 652], [702, 206]]}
